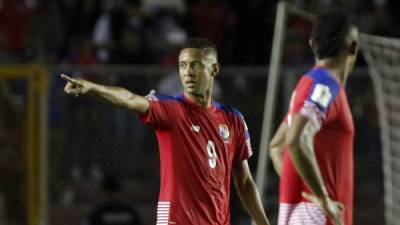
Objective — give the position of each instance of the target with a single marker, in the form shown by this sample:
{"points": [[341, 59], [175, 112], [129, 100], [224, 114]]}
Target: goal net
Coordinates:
{"points": [[383, 57]]}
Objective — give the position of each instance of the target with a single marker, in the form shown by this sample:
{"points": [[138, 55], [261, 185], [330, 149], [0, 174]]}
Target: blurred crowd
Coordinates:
{"points": [[150, 31]]}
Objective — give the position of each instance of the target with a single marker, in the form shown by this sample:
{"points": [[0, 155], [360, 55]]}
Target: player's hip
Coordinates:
{"points": [[303, 213], [194, 214]]}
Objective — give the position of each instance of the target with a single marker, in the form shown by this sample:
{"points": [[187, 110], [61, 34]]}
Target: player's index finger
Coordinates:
{"points": [[67, 78]]}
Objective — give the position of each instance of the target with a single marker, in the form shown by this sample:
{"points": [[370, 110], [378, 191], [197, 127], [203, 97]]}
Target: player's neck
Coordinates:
{"points": [[201, 100], [335, 66]]}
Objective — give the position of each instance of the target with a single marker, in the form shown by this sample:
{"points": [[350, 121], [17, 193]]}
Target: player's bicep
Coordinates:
{"points": [[296, 129], [279, 137], [160, 111], [243, 144], [277, 146], [320, 97], [138, 104]]}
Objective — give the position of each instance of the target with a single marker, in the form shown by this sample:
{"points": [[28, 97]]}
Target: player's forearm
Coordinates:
{"points": [[276, 147], [276, 155], [120, 97], [300, 141], [306, 165], [248, 194]]}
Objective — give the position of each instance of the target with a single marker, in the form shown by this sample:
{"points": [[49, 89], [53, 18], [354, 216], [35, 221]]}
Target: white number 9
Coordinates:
{"points": [[212, 154]]}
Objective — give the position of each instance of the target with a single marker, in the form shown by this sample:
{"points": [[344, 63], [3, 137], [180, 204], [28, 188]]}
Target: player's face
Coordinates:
{"points": [[196, 71]]}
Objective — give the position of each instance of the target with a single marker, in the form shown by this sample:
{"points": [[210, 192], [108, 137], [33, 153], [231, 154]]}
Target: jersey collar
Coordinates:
{"points": [[213, 107], [329, 73]]}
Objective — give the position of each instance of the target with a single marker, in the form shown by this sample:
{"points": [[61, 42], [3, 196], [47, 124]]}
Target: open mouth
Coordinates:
{"points": [[190, 84]]}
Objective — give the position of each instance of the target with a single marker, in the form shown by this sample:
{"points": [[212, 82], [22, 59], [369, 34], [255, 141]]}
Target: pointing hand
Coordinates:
{"points": [[76, 86]]}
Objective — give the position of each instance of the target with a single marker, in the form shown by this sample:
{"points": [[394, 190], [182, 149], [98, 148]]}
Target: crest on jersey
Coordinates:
{"points": [[224, 131]]}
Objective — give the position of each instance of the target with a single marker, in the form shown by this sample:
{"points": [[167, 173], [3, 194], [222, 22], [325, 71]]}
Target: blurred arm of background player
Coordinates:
{"points": [[116, 95], [248, 193], [276, 148], [300, 140]]}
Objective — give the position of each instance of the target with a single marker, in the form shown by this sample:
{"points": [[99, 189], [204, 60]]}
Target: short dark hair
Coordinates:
{"points": [[330, 31], [201, 43]]}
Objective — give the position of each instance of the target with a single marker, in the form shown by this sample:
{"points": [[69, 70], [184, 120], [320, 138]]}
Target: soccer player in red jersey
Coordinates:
{"points": [[202, 143], [312, 150]]}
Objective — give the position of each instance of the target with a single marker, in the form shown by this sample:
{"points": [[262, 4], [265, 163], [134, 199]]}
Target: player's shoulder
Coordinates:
{"points": [[322, 77], [157, 96], [324, 88], [228, 109]]}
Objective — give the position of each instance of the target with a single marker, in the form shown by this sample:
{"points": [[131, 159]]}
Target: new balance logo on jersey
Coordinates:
{"points": [[195, 128]]}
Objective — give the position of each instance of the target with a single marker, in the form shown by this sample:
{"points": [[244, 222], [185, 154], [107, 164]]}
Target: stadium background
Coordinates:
{"points": [[135, 45]]}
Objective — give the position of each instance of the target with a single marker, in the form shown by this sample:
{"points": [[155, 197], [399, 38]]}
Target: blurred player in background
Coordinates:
{"points": [[201, 142], [312, 150]]}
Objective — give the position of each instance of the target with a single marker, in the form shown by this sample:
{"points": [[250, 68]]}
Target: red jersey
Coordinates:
{"points": [[198, 147], [321, 98]]}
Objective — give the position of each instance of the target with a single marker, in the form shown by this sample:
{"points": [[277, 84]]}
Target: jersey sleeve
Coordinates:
{"points": [[312, 98], [161, 110], [243, 149]]}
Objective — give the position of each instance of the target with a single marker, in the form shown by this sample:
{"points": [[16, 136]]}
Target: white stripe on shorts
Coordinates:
{"points": [[303, 213], [163, 213]]}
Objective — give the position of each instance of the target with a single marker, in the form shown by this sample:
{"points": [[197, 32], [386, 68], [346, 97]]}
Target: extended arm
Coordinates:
{"points": [[248, 193], [116, 95], [300, 140], [276, 147]]}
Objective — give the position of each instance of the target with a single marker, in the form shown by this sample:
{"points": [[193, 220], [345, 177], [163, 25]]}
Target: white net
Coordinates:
{"points": [[383, 57]]}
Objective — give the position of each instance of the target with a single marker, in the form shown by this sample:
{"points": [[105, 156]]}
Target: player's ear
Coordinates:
{"points": [[215, 69], [311, 43], [354, 48]]}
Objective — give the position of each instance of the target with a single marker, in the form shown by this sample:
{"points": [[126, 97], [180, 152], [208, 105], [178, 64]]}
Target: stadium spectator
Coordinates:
{"points": [[177, 7], [130, 48], [164, 34], [212, 19], [14, 16], [112, 26]]}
